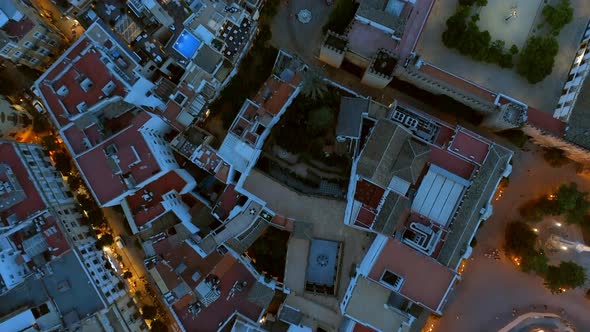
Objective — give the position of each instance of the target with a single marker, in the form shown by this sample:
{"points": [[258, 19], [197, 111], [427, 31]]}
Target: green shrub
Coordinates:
{"points": [[341, 16]]}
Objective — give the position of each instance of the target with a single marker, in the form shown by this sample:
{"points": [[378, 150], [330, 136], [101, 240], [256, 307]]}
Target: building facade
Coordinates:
{"points": [[25, 39]]}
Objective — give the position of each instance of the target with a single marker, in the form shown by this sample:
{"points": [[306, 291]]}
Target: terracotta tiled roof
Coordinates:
{"points": [[145, 210], [426, 281], [33, 202], [55, 239], [470, 147], [273, 95], [80, 62], [210, 317], [94, 164], [447, 160]]}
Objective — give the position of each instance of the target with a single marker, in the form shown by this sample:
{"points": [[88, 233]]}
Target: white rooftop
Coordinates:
{"points": [[236, 152], [438, 194], [11, 272], [18, 322]]}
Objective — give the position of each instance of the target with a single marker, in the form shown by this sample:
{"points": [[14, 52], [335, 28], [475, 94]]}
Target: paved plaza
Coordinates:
{"points": [[489, 288], [543, 95], [290, 34], [509, 20]]}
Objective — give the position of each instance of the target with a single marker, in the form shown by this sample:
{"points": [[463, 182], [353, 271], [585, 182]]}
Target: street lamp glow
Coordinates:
{"points": [[558, 224], [563, 248], [536, 230]]}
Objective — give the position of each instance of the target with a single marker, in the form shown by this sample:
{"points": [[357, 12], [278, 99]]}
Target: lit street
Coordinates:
{"points": [[69, 26], [490, 288], [133, 259]]}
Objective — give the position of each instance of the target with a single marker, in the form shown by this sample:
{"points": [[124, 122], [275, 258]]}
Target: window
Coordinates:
{"points": [[391, 279], [37, 34], [28, 44], [43, 51]]}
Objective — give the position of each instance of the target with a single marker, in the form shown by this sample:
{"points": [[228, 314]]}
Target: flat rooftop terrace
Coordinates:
{"points": [[68, 286], [366, 40]]}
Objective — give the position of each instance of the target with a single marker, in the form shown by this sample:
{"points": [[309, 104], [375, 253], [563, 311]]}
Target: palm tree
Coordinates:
{"points": [[313, 85]]}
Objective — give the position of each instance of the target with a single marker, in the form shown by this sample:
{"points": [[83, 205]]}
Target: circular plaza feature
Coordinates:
{"points": [[304, 16]]}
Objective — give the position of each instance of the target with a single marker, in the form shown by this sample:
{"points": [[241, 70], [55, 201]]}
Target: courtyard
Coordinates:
{"points": [[515, 30], [318, 218]]}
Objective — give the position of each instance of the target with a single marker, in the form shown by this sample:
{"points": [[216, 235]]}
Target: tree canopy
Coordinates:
{"points": [[555, 157], [104, 241], [519, 239], [269, 251], [564, 276], [321, 118], [313, 85], [95, 213], [537, 58], [40, 123], [568, 201], [341, 16], [48, 143], [462, 33], [149, 311], [75, 182], [159, 326], [558, 16], [63, 163]]}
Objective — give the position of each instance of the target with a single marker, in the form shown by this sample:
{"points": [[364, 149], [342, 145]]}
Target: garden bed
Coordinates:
{"points": [[269, 253]]}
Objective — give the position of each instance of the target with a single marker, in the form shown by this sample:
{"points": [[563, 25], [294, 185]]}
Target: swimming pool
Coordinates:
{"points": [[187, 44]]}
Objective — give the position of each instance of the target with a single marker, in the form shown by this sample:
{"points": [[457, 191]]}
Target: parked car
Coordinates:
{"points": [[119, 242], [39, 107]]}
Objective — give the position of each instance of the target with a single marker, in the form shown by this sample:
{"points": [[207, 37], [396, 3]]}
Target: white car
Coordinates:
{"points": [[119, 242], [39, 107]]}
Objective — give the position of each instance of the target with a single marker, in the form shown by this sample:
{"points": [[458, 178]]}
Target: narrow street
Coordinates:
{"points": [[133, 259], [67, 25], [490, 288]]}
